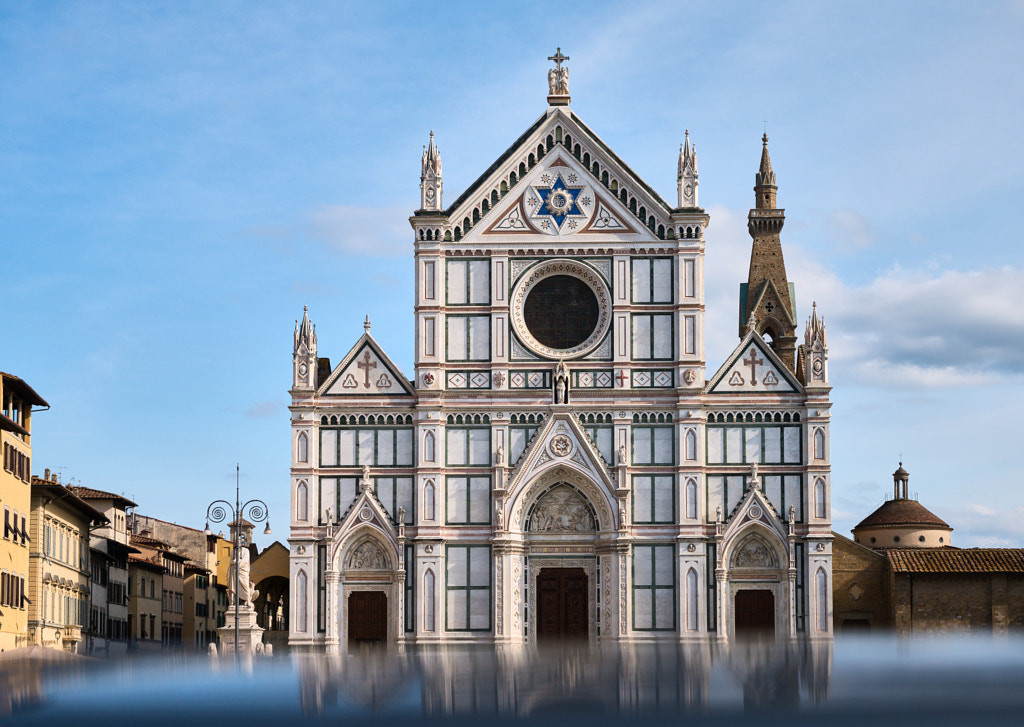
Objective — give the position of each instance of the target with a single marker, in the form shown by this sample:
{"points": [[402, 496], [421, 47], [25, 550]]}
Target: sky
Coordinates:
{"points": [[180, 179]]}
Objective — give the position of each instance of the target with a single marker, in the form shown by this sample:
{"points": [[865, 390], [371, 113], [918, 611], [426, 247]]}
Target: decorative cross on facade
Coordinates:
{"points": [[769, 306], [366, 364], [558, 58], [753, 361], [621, 378]]}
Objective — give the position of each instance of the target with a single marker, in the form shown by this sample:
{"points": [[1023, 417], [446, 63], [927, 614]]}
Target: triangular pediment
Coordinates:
{"points": [[560, 442], [754, 509], [559, 180], [753, 367], [366, 371], [769, 299]]}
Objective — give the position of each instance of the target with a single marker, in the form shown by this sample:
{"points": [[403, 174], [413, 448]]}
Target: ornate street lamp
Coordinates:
{"points": [[255, 511]]}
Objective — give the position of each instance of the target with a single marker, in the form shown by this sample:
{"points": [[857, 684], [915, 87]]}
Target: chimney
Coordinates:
{"points": [[46, 474]]}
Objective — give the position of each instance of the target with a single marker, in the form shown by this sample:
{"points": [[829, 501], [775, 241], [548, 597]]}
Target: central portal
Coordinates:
{"points": [[367, 618], [755, 613], [562, 604]]}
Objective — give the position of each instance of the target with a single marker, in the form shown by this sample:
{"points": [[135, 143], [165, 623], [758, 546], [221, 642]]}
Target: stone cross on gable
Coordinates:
{"points": [[753, 362], [366, 364], [558, 58]]}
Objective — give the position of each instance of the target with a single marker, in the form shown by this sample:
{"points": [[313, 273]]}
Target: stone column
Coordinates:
{"points": [[333, 608]]}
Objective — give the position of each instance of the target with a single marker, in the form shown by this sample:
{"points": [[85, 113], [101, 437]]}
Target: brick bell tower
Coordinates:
{"points": [[768, 299]]}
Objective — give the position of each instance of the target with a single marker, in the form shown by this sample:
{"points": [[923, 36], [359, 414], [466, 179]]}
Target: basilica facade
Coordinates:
{"points": [[561, 463]]}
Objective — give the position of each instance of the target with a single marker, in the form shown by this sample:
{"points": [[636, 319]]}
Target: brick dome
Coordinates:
{"points": [[902, 513]]}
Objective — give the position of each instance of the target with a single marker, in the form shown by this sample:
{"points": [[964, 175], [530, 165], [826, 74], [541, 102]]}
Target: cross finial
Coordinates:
{"points": [[366, 323], [765, 122], [558, 58]]}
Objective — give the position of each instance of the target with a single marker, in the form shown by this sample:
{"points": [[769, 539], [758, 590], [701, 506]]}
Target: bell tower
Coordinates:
{"points": [[430, 178], [767, 299]]}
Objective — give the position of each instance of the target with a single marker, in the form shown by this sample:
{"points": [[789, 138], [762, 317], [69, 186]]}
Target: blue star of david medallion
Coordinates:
{"points": [[558, 202]]}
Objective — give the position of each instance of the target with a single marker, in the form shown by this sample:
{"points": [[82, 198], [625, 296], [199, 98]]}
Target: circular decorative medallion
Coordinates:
{"points": [[560, 445], [691, 548], [817, 366], [303, 369], [561, 308], [365, 514], [755, 512]]}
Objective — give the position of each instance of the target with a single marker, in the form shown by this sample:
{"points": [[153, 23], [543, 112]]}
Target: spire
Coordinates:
{"points": [[305, 332], [686, 176], [815, 330], [764, 180], [767, 294], [430, 177]]}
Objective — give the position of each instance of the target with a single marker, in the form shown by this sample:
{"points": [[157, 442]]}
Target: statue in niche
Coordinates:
{"points": [[754, 554], [562, 510], [561, 384], [622, 454], [367, 557]]}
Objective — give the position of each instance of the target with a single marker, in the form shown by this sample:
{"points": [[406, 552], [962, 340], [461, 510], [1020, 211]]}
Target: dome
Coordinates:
{"points": [[902, 513]]}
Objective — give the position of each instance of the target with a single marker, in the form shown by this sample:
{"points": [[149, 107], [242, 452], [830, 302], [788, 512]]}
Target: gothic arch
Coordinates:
{"points": [[601, 504], [743, 551], [366, 533]]}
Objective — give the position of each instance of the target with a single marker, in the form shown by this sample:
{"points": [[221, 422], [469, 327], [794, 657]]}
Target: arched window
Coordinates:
{"points": [[691, 445], [819, 444], [303, 448], [691, 499], [822, 579], [429, 448], [300, 602], [819, 498], [692, 599], [429, 512], [428, 601], [301, 502]]}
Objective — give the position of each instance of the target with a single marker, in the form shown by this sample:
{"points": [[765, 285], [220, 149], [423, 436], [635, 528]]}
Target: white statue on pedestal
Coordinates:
{"points": [[247, 592]]}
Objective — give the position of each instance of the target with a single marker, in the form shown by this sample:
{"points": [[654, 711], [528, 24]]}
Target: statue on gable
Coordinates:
{"points": [[561, 383]]}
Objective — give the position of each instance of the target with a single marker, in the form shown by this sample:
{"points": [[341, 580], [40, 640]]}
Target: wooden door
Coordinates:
{"points": [[367, 618], [562, 604], [755, 613]]}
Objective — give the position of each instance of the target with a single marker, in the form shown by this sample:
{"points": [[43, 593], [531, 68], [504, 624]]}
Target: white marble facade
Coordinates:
{"points": [[560, 420]]}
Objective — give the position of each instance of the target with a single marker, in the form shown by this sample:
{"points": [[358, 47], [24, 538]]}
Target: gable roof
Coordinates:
{"points": [[771, 362], [396, 384], [603, 164], [88, 493]]}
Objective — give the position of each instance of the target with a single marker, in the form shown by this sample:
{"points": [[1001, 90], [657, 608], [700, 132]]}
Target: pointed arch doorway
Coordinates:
{"points": [[754, 613], [562, 604]]}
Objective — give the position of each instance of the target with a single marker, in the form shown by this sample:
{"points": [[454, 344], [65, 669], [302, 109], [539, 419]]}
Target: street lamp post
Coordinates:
{"points": [[255, 510]]}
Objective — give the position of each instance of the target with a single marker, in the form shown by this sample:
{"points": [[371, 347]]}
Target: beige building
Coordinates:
{"points": [[17, 398], [145, 584], [59, 571]]}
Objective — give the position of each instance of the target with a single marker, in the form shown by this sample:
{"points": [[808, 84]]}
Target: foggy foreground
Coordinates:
{"points": [[846, 681]]}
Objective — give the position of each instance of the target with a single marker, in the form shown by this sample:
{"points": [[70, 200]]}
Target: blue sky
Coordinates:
{"points": [[181, 178]]}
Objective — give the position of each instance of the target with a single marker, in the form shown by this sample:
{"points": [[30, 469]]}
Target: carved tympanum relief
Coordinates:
{"points": [[754, 554], [562, 510], [366, 557]]}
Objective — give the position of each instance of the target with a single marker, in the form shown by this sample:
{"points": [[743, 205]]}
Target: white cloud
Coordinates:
{"points": [[264, 409], [906, 328], [369, 231], [981, 526]]}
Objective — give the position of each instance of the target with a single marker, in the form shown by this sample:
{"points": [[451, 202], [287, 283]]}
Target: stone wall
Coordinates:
{"points": [[957, 602], [860, 596]]}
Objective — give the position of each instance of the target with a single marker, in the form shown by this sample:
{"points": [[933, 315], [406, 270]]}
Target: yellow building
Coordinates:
{"points": [[59, 570], [17, 398]]}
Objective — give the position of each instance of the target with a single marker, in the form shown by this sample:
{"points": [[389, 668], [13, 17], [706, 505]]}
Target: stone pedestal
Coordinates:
{"points": [[250, 636]]}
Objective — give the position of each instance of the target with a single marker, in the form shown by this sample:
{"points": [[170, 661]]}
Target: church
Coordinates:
{"points": [[562, 464]]}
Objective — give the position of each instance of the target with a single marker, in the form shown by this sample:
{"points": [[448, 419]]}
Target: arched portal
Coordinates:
{"points": [[368, 590], [757, 599]]}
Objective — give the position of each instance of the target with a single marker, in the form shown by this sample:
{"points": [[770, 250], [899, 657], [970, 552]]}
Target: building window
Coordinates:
{"points": [[653, 499], [653, 445], [468, 500], [822, 584], [429, 447], [469, 282], [819, 498], [468, 588], [336, 494], [357, 447], [393, 493], [654, 588], [602, 436], [469, 338], [468, 447], [652, 280], [746, 443], [652, 336]]}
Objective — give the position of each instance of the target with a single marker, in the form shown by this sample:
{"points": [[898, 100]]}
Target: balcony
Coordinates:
{"points": [[72, 634]]}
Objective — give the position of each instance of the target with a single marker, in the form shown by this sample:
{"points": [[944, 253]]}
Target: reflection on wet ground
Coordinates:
{"points": [[976, 681]]}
